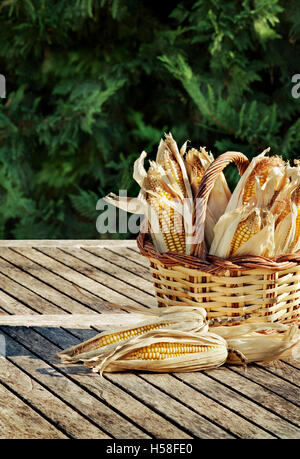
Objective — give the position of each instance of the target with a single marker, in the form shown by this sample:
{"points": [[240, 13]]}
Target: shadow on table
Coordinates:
{"points": [[40, 342]]}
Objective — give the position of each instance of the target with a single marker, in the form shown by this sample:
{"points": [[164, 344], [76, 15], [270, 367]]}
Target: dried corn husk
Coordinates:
{"points": [[276, 168], [196, 164], [259, 342], [175, 317], [168, 150], [266, 193], [165, 198], [262, 243], [171, 159], [285, 231], [213, 354]]}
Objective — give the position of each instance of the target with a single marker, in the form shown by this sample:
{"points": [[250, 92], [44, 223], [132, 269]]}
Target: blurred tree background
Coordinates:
{"points": [[92, 83]]}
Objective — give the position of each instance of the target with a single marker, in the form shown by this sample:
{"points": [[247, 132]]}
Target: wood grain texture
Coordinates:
{"points": [[54, 294]]}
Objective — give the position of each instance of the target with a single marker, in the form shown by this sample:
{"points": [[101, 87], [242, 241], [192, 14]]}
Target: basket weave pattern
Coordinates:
{"points": [[253, 288]]}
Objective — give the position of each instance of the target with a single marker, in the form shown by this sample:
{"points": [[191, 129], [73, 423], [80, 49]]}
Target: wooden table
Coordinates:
{"points": [[42, 398]]}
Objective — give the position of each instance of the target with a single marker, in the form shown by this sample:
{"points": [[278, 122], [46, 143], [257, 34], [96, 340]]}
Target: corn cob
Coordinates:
{"points": [[173, 170], [169, 157], [166, 351], [159, 351], [261, 172], [170, 221], [245, 230], [196, 167], [183, 318], [287, 228]]}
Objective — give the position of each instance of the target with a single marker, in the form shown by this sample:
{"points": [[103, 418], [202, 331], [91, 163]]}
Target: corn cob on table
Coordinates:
{"points": [[41, 397]]}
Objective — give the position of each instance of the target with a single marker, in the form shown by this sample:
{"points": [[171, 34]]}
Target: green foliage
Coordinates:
{"points": [[92, 83]]}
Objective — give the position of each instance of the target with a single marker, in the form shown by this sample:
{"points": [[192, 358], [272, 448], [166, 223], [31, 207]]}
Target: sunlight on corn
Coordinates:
{"points": [[260, 172], [261, 342], [165, 351], [245, 230], [260, 218], [175, 317], [159, 351]]}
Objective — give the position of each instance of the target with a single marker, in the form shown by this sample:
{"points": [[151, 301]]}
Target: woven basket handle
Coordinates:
{"points": [[206, 185]]}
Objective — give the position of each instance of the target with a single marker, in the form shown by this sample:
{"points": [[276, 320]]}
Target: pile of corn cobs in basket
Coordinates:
{"points": [[261, 217]]}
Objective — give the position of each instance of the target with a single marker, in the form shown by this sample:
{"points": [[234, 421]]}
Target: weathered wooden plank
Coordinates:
{"points": [[122, 257], [109, 394], [113, 284], [133, 255], [81, 276], [154, 423], [295, 363], [34, 301], [114, 270], [13, 306], [173, 410], [62, 278], [160, 402], [168, 387], [283, 369], [52, 407], [179, 415], [273, 383], [27, 273], [269, 409], [211, 383], [206, 407], [19, 421], [104, 321], [260, 395], [67, 243], [73, 388]]}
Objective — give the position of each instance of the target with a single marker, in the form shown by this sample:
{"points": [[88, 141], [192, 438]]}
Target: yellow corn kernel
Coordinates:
{"points": [[261, 171], [170, 221], [170, 225], [195, 168], [111, 338], [245, 230], [172, 167], [161, 351]]}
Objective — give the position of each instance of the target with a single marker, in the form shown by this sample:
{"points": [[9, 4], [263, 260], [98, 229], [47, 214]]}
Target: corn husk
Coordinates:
{"points": [[175, 317], [261, 244], [285, 231], [165, 191], [197, 161], [168, 149], [260, 342], [274, 184], [275, 177], [170, 146], [118, 360]]}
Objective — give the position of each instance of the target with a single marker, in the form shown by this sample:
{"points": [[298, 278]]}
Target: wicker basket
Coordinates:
{"points": [[253, 288]]}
